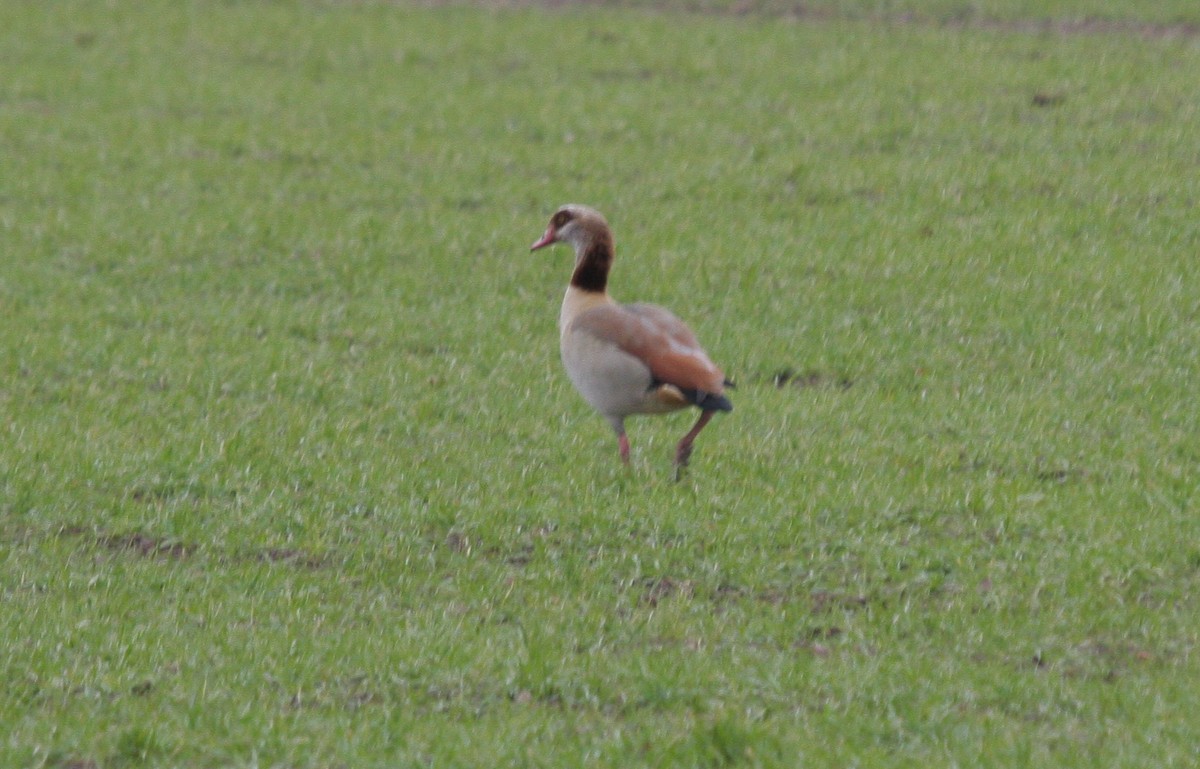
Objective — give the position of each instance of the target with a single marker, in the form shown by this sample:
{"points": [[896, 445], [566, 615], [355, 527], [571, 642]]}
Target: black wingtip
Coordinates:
{"points": [[705, 400], [711, 402]]}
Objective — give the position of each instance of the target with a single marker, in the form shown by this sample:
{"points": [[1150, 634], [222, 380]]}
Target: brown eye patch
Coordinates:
{"points": [[561, 218]]}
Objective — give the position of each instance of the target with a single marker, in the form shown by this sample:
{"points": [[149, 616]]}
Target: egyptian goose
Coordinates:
{"points": [[627, 358]]}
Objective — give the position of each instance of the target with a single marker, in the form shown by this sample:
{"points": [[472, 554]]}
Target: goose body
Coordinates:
{"points": [[626, 359]]}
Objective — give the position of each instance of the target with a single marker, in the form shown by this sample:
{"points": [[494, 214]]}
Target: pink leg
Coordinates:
{"points": [[623, 442], [684, 451]]}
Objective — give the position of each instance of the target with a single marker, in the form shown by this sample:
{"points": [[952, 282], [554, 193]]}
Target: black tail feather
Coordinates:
{"points": [[705, 400], [708, 401]]}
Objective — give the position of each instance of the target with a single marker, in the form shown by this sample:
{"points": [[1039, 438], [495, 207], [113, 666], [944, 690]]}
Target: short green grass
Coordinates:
{"points": [[290, 475]]}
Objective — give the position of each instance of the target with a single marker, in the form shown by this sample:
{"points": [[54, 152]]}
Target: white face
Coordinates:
{"points": [[582, 225], [571, 232], [573, 224]]}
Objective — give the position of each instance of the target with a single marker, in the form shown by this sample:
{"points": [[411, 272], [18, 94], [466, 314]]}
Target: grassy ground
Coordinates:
{"points": [[290, 475]]}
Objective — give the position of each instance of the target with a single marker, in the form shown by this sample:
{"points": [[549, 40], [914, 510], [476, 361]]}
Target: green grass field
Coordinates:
{"points": [[290, 475]]}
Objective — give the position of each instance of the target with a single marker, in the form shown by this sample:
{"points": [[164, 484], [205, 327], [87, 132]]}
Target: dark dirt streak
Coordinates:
{"points": [[800, 11], [287, 555], [147, 546], [810, 378], [1147, 30], [654, 590]]}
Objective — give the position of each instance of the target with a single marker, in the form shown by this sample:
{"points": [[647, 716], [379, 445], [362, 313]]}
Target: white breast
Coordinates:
{"points": [[613, 381]]}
